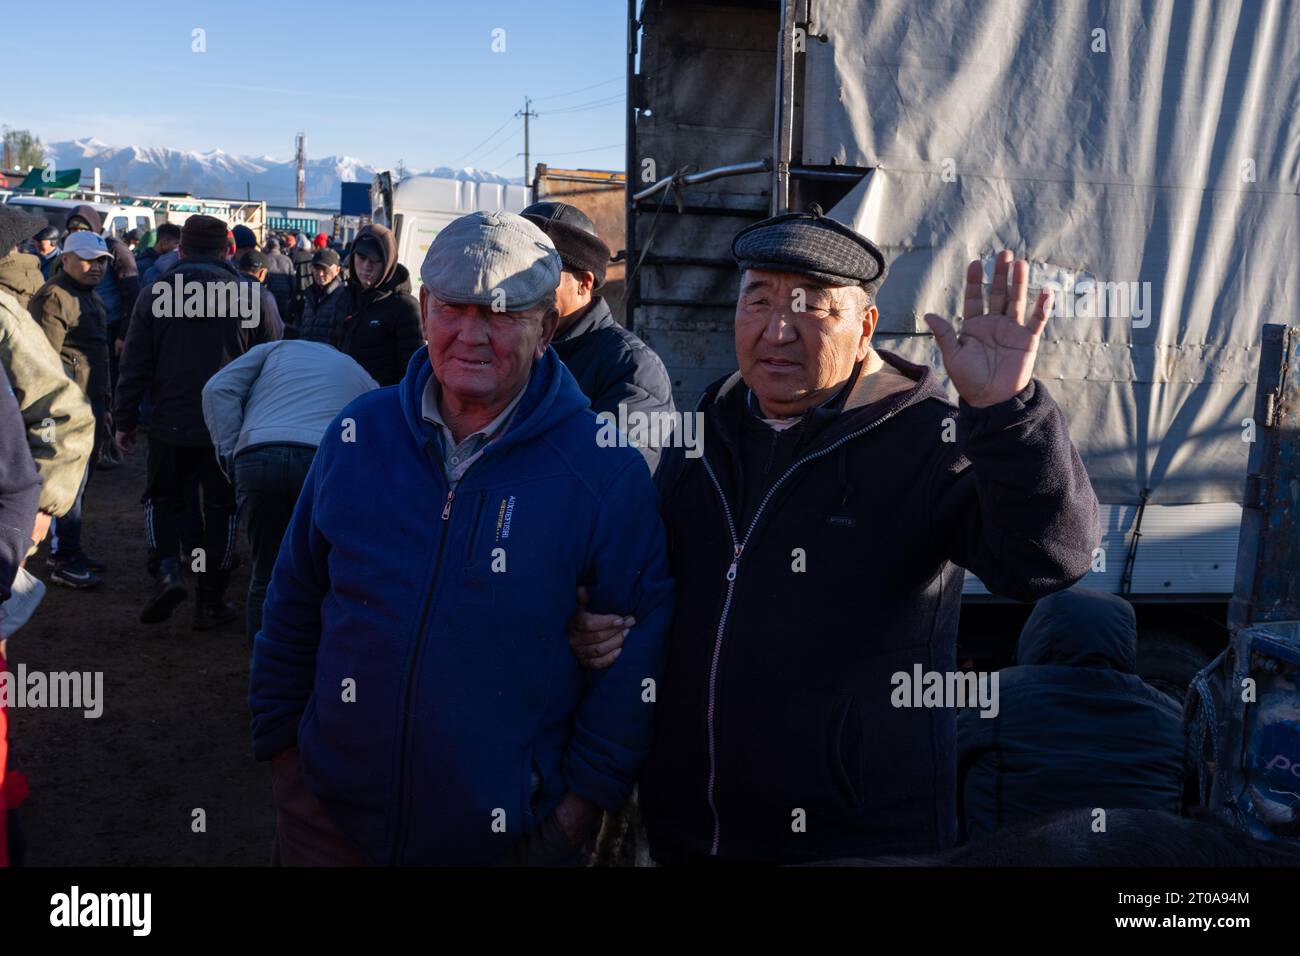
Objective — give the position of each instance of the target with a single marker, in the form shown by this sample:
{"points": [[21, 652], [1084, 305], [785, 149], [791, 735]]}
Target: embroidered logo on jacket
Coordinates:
{"points": [[504, 513]]}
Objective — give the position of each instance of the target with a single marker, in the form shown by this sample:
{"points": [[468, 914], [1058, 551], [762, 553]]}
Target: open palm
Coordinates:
{"points": [[992, 359]]}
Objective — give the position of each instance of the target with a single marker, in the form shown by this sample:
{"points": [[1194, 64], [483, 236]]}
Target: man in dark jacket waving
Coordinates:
{"points": [[818, 547], [412, 681]]}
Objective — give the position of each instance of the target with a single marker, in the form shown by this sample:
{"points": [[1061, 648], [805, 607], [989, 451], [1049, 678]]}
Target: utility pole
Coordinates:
{"points": [[300, 159], [526, 113]]}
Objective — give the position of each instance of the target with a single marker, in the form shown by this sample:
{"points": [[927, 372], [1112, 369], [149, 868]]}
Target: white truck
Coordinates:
{"points": [[417, 207], [118, 218]]}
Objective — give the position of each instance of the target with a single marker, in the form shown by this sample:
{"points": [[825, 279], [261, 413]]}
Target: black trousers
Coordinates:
{"points": [[170, 467], [268, 479]]}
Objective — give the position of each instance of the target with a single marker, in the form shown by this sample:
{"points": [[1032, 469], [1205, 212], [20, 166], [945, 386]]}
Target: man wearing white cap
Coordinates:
{"points": [[74, 319], [412, 679]]}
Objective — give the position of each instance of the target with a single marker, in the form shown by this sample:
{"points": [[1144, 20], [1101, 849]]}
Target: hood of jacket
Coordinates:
{"points": [[21, 274], [882, 386], [387, 245], [550, 397], [1080, 627], [88, 213], [399, 281]]}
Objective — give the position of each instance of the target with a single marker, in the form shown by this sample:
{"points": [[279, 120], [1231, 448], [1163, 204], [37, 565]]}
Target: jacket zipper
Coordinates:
{"points": [[738, 547], [399, 837]]}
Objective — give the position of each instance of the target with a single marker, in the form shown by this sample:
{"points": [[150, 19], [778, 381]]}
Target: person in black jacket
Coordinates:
{"points": [[166, 238], [614, 368], [380, 323], [818, 545], [319, 312], [1075, 727], [175, 344]]}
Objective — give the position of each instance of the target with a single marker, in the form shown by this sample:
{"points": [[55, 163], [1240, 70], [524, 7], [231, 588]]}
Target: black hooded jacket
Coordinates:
{"points": [[174, 356], [1075, 727], [380, 326], [775, 737]]}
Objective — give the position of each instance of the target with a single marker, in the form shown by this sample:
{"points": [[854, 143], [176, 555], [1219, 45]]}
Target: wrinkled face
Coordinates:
{"points": [[366, 270], [796, 340], [324, 275], [481, 357], [83, 271]]}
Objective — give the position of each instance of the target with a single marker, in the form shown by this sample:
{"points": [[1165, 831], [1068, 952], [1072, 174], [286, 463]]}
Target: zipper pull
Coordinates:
{"points": [[731, 571], [446, 509]]}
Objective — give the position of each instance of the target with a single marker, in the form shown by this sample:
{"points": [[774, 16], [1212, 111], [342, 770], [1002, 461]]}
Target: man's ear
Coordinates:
{"points": [[588, 284], [870, 316], [424, 312], [549, 323]]}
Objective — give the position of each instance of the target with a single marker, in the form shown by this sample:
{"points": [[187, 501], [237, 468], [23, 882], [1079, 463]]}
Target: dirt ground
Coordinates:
{"points": [[174, 734]]}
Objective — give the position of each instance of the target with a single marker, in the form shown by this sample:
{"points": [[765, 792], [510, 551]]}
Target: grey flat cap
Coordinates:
{"points": [[811, 244], [478, 254]]}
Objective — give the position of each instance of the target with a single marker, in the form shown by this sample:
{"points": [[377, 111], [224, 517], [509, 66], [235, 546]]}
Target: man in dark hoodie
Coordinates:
{"points": [[1075, 726], [380, 319], [818, 545], [614, 368], [177, 341]]}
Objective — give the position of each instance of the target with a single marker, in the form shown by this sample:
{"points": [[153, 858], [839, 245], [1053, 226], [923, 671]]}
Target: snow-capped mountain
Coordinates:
{"points": [[149, 170]]}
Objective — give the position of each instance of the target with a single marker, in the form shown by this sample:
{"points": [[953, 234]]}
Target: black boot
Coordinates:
{"points": [[213, 614], [168, 592]]}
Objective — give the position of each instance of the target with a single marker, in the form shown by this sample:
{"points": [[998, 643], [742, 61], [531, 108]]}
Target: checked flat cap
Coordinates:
{"points": [[490, 258], [808, 243]]}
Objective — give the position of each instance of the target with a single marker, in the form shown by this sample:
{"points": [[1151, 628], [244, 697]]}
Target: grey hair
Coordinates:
{"points": [[860, 297]]}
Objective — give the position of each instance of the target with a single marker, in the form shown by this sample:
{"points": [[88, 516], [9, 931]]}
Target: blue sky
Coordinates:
{"points": [[411, 81]]}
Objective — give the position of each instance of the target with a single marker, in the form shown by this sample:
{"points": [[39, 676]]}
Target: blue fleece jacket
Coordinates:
{"points": [[413, 640]]}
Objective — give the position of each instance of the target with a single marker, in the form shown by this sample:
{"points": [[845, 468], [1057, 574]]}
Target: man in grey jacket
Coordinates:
{"points": [[267, 411]]}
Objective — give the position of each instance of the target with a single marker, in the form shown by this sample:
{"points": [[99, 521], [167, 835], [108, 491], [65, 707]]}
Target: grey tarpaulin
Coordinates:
{"points": [[1164, 151]]}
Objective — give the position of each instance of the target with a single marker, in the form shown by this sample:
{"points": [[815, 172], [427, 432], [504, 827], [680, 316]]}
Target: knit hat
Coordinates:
{"points": [[17, 226], [203, 236], [244, 237], [574, 235]]}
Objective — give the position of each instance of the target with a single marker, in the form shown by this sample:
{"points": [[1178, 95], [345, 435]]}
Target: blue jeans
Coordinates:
{"points": [[268, 479], [65, 532]]}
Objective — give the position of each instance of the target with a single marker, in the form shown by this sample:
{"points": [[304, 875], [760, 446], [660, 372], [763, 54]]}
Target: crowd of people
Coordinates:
{"points": [[475, 629]]}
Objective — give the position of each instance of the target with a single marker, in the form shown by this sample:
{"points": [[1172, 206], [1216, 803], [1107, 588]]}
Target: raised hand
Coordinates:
{"points": [[992, 359]]}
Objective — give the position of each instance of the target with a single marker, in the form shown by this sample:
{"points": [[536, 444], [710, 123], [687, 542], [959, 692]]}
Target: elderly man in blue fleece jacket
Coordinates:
{"points": [[412, 679]]}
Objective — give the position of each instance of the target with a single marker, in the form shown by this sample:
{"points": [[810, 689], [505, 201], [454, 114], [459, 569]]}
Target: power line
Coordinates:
{"points": [[581, 89], [593, 149], [499, 142], [590, 105], [474, 148]]}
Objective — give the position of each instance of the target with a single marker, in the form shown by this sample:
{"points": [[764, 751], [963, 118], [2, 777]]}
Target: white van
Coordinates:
{"points": [[419, 206], [118, 220]]}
